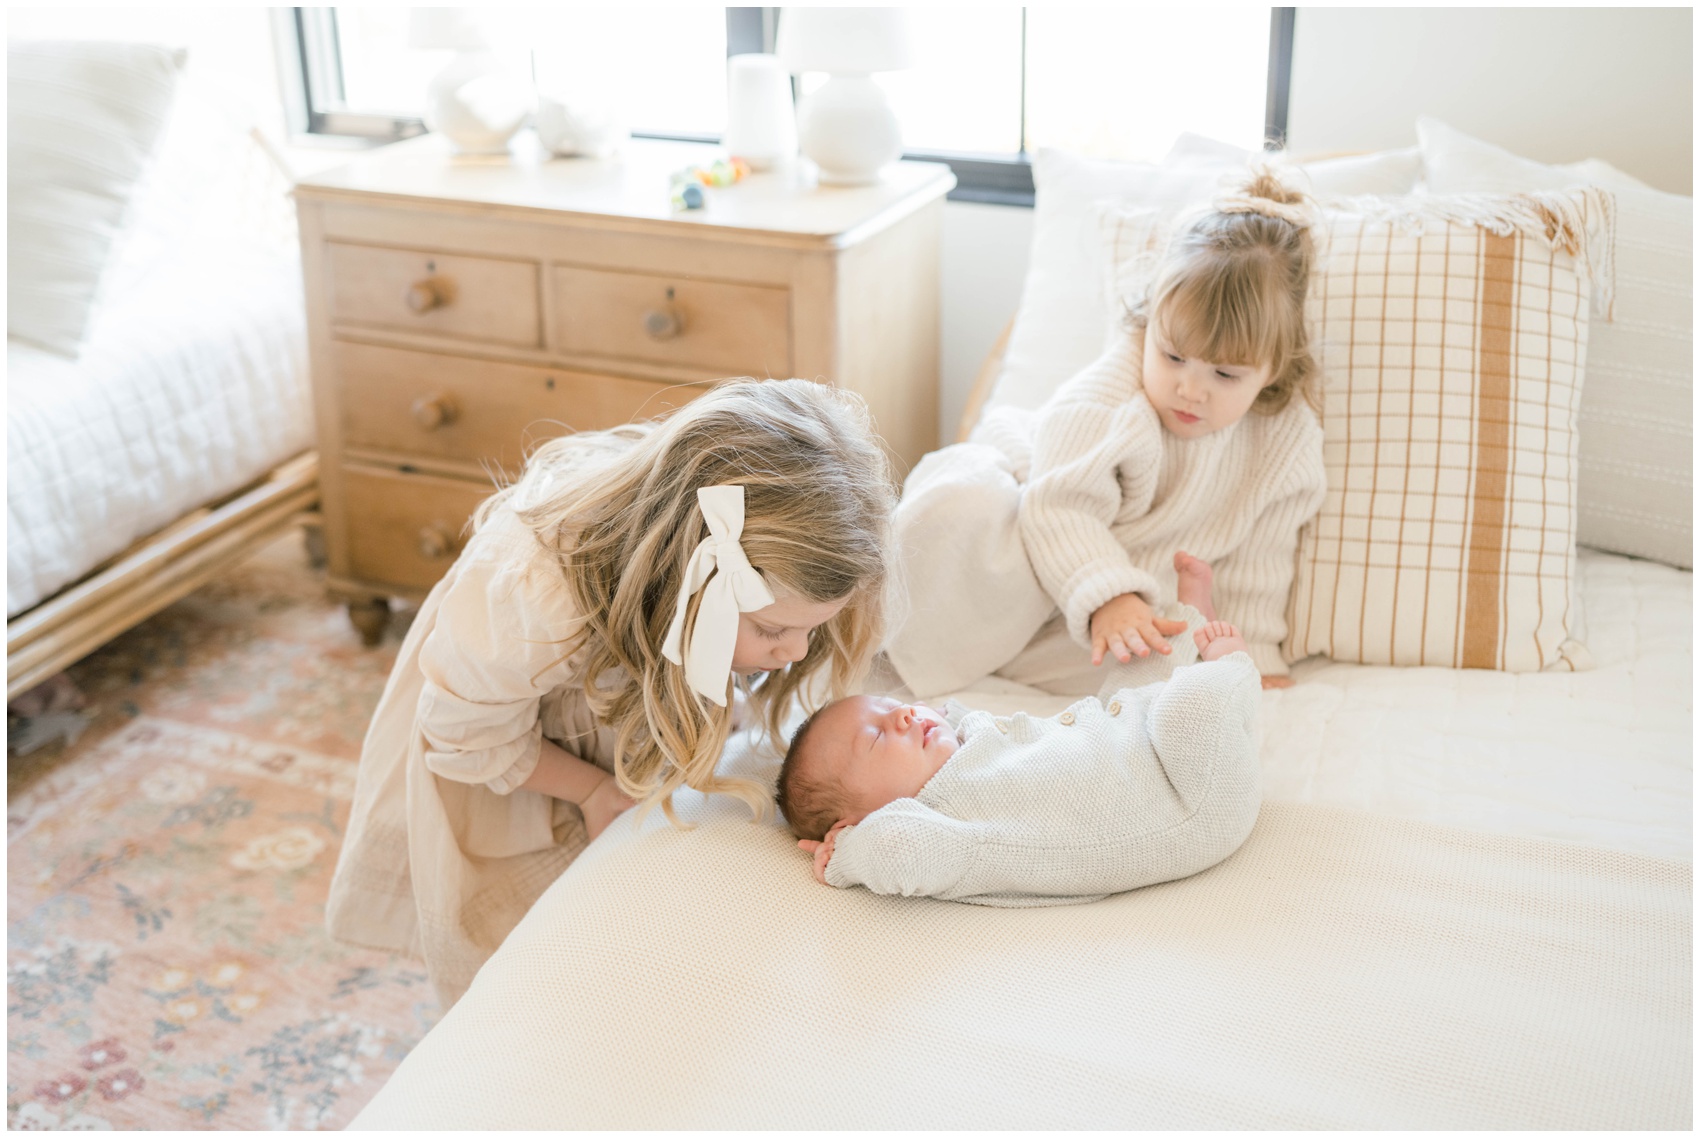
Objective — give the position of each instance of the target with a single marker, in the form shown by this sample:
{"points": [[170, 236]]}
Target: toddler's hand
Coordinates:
{"points": [[604, 804], [1125, 628]]}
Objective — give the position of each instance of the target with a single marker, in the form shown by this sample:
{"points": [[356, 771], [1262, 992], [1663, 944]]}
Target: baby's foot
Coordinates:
{"points": [[1193, 584], [1216, 639]]}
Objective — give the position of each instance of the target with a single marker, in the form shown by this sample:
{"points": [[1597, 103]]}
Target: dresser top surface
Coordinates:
{"points": [[633, 186]]}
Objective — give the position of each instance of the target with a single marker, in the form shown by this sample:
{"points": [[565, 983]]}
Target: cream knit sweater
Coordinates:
{"points": [[1112, 496]]}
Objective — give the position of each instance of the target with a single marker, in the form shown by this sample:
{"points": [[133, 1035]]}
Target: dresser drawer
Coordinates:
{"points": [[407, 528], [472, 298], [717, 326], [449, 407]]}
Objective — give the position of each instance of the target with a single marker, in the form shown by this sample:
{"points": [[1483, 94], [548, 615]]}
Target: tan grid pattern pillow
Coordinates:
{"points": [[1451, 334]]}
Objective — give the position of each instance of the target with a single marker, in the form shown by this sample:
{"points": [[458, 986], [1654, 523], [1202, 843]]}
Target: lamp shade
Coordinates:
{"points": [[844, 41], [446, 29]]}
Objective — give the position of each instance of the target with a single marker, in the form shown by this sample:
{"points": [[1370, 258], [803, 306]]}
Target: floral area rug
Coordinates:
{"points": [[168, 861]]}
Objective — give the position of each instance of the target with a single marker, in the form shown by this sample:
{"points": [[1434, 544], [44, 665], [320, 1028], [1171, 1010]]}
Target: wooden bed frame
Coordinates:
{"points": [[126, 589]]}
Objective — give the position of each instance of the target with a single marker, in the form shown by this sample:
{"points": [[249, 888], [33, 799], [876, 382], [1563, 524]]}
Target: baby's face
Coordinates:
{"points": [[881, 750]]}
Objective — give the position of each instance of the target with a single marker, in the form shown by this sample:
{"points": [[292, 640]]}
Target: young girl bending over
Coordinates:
{"points": [[589, 647], [1193, 431]]}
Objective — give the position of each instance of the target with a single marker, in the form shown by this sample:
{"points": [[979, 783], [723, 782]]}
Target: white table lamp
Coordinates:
{"points": [[847, 127], [476, 101]]}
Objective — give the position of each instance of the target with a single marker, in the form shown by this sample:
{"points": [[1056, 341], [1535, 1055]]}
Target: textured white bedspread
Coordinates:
{"points": [[1341, 970], [1356, 967], [190, 387]]}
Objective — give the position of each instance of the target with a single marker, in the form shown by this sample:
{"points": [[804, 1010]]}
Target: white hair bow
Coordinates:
{"points": [[730, 585]]}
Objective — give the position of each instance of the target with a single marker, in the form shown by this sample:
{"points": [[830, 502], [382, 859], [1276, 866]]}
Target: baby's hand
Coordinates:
{"points": [[1125, 628], [822, 850]]}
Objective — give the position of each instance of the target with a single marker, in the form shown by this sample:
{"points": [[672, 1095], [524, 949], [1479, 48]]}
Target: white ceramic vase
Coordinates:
{"points": [[579, 126], [477, 103]]}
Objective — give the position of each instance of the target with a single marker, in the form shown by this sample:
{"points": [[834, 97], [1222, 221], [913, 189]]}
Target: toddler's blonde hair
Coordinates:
{"points": [[1231, 288], [619, 510]]}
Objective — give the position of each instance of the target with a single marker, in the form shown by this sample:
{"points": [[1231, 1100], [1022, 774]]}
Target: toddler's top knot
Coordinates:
{"points": [[1266, 194]]}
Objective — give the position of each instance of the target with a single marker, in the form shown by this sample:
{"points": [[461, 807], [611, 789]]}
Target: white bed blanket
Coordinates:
{"points": [[1342, 970], [187, 389], [1347, 968]]}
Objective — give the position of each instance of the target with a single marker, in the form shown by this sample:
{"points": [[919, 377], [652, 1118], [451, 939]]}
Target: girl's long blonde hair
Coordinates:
{"points": [[1231, 288], [619, 511]]}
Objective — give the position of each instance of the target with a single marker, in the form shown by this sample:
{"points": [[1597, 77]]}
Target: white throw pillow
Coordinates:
{"points": [[1380, 172], [212, 182], [1191, 149], [1392, 172], [1636, 493], [1063, 317], [1597, 172], [81, 119]]}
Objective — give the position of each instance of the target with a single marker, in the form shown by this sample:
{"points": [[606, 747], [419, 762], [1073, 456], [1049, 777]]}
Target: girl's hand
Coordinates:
{"points": [[604, 804], [1271, 682], [1125, 628], [822, 850]]}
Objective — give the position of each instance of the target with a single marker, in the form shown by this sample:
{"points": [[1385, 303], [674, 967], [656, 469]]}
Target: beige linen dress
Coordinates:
{"points": [[443, 854]]}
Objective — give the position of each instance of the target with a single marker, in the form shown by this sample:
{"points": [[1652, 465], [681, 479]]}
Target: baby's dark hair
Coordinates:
{"points": [[811, 805]]}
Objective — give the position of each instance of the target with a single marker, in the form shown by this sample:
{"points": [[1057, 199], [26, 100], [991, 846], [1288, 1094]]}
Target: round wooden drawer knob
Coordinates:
{"points": [[663, 323], [433, 411], [436, 542], [422, 296]]}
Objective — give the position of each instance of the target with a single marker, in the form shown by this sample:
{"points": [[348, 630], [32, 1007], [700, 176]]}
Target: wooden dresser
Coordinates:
{"points": [[461, 310]]}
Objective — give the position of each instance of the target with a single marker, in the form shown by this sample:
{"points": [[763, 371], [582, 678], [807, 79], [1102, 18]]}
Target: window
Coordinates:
{"points": [[990, 84]]}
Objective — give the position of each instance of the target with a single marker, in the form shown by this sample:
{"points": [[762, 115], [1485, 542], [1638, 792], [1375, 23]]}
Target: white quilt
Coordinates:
{"points": [[193, 378], [1425, 957], [183, 393]]}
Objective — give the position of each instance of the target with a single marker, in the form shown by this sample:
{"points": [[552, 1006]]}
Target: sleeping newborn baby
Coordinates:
{"points": [[1133, 787]]}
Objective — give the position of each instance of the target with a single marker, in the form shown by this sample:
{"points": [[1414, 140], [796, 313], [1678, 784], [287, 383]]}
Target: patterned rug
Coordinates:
{"points": [[167, 963]]}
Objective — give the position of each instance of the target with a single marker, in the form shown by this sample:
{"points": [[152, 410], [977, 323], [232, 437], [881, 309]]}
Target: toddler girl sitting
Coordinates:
{"points": [[1136, 786], [1037, 550]]}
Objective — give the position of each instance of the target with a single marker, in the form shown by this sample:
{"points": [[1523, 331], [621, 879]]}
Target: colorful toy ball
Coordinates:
{"points": [[686, 186]]}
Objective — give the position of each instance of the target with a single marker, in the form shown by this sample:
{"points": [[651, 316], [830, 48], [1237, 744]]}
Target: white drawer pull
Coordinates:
{"points": [[433, 411], [432, 292], [436, 542]]}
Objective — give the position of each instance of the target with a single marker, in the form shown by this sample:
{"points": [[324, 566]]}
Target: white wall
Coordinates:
{"points": [[1552, 84], [982, 262]]}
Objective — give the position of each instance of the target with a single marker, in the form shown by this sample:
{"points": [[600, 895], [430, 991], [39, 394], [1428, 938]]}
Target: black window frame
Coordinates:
{"points": [[308, 34]]}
